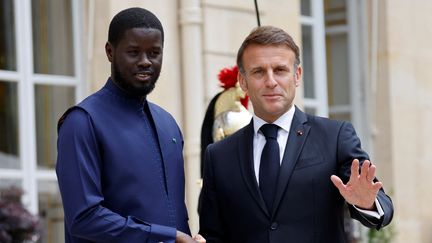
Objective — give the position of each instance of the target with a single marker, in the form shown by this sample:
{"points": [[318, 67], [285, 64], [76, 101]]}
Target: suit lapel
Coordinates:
{"points": [[296, 139], [246, 164]]}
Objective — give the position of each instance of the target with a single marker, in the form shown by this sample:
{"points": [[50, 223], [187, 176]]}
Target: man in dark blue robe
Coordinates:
{"points": [[120, 167]]}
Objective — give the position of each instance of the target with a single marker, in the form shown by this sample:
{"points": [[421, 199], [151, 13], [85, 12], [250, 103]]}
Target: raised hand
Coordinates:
{"points": [[360, 190]]}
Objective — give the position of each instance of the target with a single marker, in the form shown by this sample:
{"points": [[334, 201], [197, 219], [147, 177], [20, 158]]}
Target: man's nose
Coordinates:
{"points": [[270, 79], [144, 61]]}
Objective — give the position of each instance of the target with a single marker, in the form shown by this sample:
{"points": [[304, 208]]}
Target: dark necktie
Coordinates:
{"points": [[270, 164]]}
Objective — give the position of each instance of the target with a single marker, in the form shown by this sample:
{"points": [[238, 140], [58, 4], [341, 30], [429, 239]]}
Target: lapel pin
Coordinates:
{"points": [[299, 133], [174, 140]]}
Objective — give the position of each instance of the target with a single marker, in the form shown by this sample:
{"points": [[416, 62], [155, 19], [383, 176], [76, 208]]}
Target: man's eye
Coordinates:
{"points": [[133, 53], [154, 53]]}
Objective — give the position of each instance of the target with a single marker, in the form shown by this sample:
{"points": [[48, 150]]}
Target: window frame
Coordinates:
{"points": [[28, 173], [357, 39], [316, 22]]}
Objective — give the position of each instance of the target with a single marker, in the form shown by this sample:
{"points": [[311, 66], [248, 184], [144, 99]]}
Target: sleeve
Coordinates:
{"points": [[377, 214], [79, 176], [349, 148], [211, 226]]}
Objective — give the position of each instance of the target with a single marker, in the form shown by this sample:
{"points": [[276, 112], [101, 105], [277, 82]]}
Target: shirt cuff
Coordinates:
{"points": [[374, 214], [160, 233]]}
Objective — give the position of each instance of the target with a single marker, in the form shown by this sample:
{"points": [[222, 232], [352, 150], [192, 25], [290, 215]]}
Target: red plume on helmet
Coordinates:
{"points": [[228, 79]]}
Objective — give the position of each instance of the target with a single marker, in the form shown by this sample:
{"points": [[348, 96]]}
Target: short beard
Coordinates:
{"points": [[126, 86]]}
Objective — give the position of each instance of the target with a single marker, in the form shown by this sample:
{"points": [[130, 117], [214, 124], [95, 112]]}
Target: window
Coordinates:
{"points": [[333, 56], [313, 57], [40, 77], [337, 58], [346, 57], [9, 150]]}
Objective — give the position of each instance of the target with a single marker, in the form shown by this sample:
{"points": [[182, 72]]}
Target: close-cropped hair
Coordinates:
{"points": [[267, 35], [132, 18]]}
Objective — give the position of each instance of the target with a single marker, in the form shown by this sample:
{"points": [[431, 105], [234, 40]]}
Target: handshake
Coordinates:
{"points": [[185, 238]]}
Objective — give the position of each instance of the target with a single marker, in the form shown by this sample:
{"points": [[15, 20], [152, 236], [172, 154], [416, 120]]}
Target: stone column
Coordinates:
{"points": [[193, 105]]}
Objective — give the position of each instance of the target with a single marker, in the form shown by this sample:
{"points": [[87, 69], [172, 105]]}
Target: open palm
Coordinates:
{"points": [[361, 190]]}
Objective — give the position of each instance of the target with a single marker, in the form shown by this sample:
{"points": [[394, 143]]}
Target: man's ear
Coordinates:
{"points": [[242, 81], [109, 50], [298, 75]]}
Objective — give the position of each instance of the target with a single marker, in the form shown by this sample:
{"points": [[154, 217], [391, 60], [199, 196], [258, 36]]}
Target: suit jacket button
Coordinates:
{"points": [[274, 226]]}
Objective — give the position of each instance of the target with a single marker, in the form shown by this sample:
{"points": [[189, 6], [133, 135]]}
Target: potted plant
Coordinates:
{"points": [[17, 224]]}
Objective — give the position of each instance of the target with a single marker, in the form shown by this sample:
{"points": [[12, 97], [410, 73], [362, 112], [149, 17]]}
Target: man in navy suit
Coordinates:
{"points": [[286, 176], [120, 164]]}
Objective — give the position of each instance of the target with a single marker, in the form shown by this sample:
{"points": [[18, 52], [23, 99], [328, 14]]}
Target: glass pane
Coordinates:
{"points": [[308, 69], [7, 36], [9, 141], [5, 184], [51, 213], [338, 70], [335, 12], [305, 7], [52, 37], [51, 102]]}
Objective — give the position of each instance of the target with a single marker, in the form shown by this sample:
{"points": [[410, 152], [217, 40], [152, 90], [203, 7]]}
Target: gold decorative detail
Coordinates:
{"points": [[230, 114]]}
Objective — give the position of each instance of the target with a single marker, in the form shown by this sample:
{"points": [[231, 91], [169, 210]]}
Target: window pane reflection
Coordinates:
{"points": [[335, 12], [305, 6], [308, 69], [52, 37], [9, 148], [51, 213], [6, 184], [7, 36], [338, 70], [51, 102]]}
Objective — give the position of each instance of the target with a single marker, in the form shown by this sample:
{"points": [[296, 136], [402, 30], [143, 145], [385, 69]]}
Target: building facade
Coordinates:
{"points": [[366, 61]]}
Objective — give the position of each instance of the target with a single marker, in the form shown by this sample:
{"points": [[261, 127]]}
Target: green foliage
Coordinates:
{"points": [[384, 235]]}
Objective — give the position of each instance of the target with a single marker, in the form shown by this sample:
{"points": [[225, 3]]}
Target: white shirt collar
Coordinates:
{"points": [[283, 121]]}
